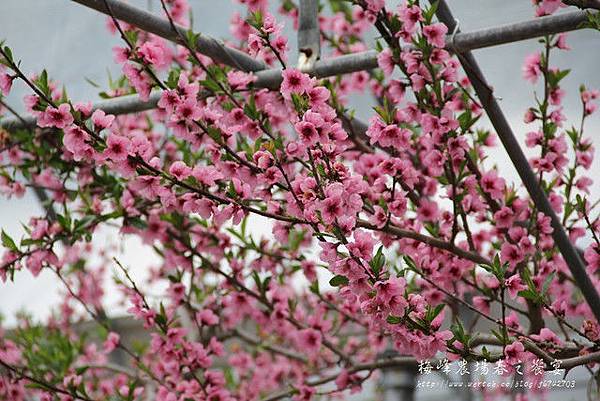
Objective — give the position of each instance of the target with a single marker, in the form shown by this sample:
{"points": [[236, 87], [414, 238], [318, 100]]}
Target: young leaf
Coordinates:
{"points": [[8, 242], [338, 281]]}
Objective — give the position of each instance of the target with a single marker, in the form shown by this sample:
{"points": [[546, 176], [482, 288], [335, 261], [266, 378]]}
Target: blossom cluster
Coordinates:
{"points": [[411, 224]]}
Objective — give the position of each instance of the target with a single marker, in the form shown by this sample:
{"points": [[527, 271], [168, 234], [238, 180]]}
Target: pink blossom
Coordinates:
{"points": [[75, 141], [428, 210], [56, 117], [586, 158], [511, 253], [547, 335], [39, 228], [112, 340], [307, 132], [547, 7], [529, 116], [318, 95], [375, 6], [514, 285], [5, 83], [36, 260], [586, 98], [410, 16], [305, 393], [102, 120], [436, 34], [295, 82], [180, 170], [207, 317], [592, 258], [347, 380], [544, 223], [385, 61], [281, 46], [493, 185], [207, 175], [556, 96], [583, 184], [240, 79], [309, 340], [561, 42], [363, 244], [155, 53], [331, 208], [139, 80], [85, 108], [434, 160], [532, 67], [117, 148], [591, 329], [533, 138], [188, 110], [121, 54], [482, 304], [514, 353]]}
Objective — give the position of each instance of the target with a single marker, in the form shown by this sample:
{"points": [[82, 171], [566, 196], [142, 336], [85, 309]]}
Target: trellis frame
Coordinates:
{"points": [[309, 46], [270, 78]]}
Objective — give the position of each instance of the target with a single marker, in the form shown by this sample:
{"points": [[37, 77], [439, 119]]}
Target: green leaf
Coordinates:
{"points": [[161, 320], [173, 78], [338, 281], [529, 294], [394, 319], [429, 13], [410, 263], [314, 288], [8, 52], [502, 337], [250, 109], [81, 370], [378, 261], [556, 76], [458, 331], [295, 238], [192, 38], [131, 37], [42, 82], [8, 242], [91, 82], [547, 283], [526, 276], [29, 241], [432, 313], [211, 85], [64, 221]]}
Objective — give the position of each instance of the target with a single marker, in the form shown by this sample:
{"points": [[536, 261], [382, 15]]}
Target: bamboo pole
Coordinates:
{"points": [[462, 42], [309, 35], [271, 78]]}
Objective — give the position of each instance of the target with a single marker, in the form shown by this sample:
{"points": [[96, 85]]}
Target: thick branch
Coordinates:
{"points": [[309, 36], [431, 241], [583, 4]]}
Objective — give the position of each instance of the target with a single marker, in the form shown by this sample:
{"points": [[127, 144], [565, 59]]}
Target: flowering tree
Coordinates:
{"points": [[422, 241]]}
